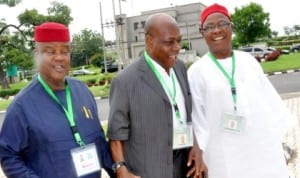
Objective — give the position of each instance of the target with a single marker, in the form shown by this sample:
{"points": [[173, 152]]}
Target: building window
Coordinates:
{"points": [[143, 24], [135, 25]]}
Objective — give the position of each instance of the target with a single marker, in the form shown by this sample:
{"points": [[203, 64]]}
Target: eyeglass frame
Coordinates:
{"points": [[210, 28]]}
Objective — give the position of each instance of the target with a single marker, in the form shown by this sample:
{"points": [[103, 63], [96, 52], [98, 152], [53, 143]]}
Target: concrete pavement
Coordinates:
{"points": [[292, 100], [292, 139]]}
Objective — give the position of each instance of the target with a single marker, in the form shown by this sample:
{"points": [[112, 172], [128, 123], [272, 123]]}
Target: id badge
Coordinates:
{"points": [[183, 136], [85, 159], [233, 122]]}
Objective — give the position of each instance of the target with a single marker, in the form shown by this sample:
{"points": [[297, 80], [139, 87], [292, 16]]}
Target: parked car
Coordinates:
{"points": [[258, 52], [82, 72], [282, 51], [111, 66], [295, 48]]}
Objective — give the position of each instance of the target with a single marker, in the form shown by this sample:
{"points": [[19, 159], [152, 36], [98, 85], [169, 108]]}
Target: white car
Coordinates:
{"points": [[282, 51], [257, 52], [82, 72]]}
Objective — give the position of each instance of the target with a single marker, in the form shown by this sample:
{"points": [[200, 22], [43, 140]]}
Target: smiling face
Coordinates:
{"points": [[217, 31], [53, 62], [163, 41]]}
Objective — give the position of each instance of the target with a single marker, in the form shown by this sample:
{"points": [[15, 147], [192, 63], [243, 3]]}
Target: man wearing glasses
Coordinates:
{"points": [[238, 117]]}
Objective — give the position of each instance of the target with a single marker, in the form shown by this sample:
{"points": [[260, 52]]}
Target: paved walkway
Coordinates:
{"points": [[292, 140], [293, 137]]}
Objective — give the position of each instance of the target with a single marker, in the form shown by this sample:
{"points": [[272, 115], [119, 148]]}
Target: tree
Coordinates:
{"points": [[250, 23], [274, 34], [287, 30], [59, 12], [10, 3], [87, 47], [296, 29]]}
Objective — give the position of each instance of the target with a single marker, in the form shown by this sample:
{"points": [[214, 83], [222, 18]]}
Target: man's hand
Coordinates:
{"points": [[197, 166], [123, 172]]}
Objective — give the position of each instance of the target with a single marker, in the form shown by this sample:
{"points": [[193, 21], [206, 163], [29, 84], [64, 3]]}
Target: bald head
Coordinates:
{"points": [[162, 37], [158, 20]]}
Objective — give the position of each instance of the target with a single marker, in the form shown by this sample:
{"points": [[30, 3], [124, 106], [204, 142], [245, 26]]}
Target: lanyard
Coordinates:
{"points": [[229, 78], [68, 112], [165, 86]]}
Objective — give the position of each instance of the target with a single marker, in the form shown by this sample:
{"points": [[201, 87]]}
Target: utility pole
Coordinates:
{"points": [[121, 40], [103, 40], [117, 35]]}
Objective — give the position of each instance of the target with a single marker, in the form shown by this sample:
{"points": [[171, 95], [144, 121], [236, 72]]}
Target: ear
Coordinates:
{"points": [[149, 40], [35, 51], [201, 31]]}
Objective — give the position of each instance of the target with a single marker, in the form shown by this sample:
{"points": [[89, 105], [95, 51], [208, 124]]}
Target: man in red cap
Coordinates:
{"points": [[239, 118], [52, 129]]}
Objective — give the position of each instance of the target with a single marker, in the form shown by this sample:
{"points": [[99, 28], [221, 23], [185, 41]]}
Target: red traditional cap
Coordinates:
{"points": [[51, 32], [215, 8]]}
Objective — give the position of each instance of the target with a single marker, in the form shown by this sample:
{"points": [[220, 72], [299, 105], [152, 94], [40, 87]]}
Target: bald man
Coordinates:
{"points": [[149, 125]]}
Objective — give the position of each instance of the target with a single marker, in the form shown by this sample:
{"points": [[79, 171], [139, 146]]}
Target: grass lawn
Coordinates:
{"points": [[284, 62]]}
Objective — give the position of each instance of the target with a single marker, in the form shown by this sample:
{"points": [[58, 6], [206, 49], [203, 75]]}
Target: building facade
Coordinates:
{"points": [[131, 37]]}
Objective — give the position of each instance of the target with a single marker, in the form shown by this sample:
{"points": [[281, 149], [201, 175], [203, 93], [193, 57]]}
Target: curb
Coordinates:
{"points": [[290, 95], [99, 98], [283, 72]]}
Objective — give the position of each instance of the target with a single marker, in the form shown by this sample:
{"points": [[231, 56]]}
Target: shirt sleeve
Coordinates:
{"points": [[284, 120], [200, 124], [118, 122], [13, 142]]}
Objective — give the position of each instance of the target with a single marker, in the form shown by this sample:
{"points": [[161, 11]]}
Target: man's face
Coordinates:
{"points": [[53, 60], [217, 31], [163, 44]]}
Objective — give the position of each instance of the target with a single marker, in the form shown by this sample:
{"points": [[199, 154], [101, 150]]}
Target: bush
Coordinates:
{"points": [[273, 56], [8, 92], [91, 82]]}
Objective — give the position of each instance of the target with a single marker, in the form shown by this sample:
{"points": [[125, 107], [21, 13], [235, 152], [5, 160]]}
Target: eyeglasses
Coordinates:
{"points": [[211, 27]]}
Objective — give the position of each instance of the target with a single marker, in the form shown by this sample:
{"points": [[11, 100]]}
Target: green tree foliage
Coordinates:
{"points": [[296, 29], [87, 48], [287, 30], [58, 12], [250, 23], [274, 34], [10, 3]]}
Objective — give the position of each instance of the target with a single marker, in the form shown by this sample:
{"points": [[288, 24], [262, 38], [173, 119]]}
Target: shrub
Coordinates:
{"points": [[8, 92], [91, 82], [273, 56]]}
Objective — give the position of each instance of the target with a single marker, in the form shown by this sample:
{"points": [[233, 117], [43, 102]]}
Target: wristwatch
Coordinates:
{"points": [[117, 165]]}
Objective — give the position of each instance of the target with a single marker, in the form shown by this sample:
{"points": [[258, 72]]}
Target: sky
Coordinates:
{"points": [[86, 13]]}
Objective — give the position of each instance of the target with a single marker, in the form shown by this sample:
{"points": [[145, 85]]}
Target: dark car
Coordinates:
{"points": [[295, 48], [111, 66]]}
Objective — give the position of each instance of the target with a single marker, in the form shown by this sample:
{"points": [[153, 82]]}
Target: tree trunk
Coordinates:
{"points": [[4, 82]]}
